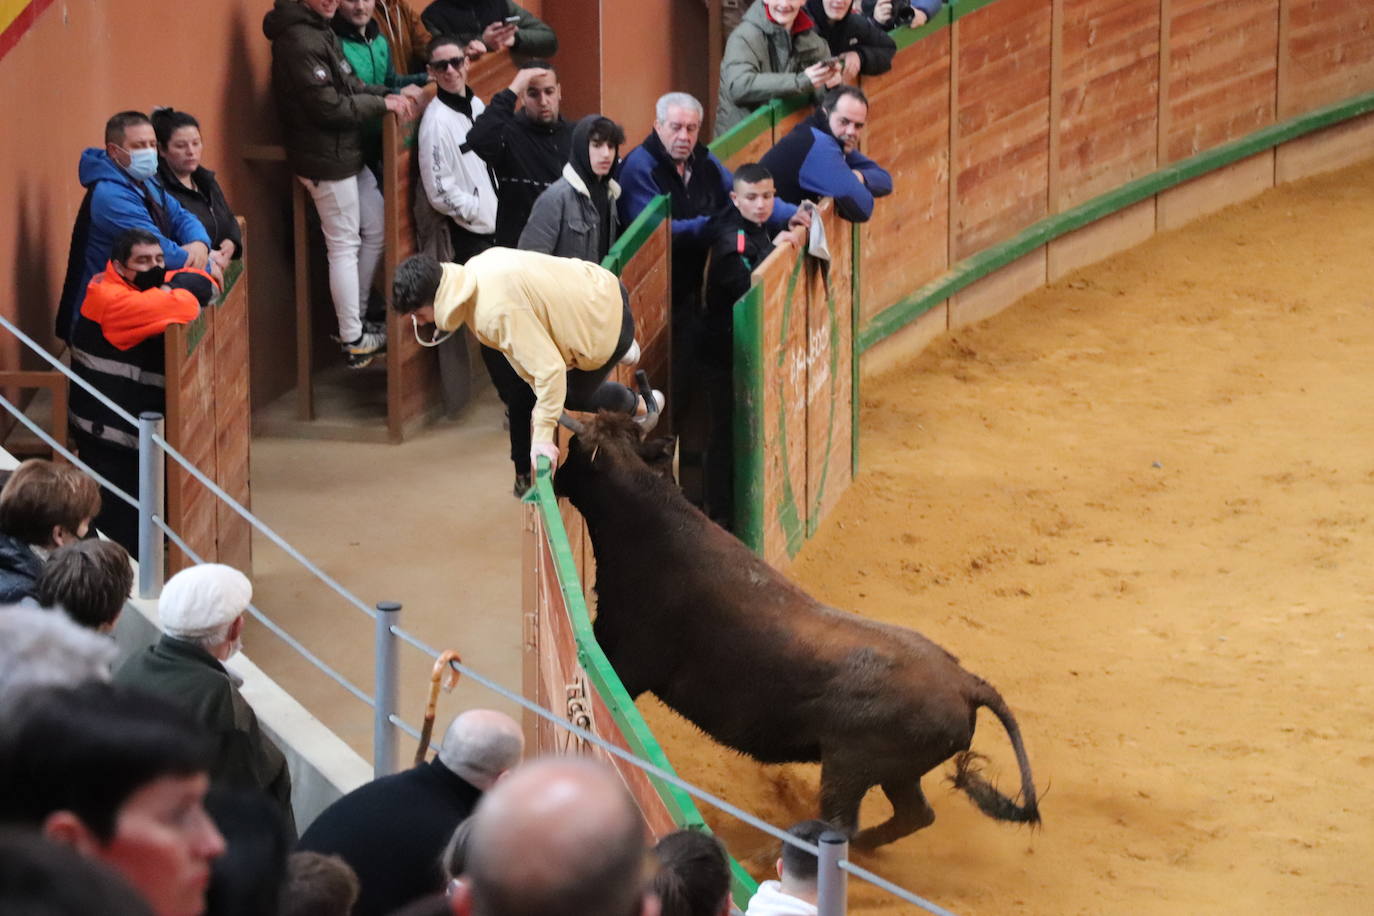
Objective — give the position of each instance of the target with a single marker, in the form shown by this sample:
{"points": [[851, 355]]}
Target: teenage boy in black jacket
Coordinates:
{"points": [[526, 148], [741, 241]]}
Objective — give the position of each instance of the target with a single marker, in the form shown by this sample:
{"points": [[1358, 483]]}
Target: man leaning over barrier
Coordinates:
{"points": [[820, 158], [117, 347], [562, 323]]}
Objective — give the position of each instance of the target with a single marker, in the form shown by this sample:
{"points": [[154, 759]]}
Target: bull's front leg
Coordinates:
{"points": [[843, 785], [633, 668]]}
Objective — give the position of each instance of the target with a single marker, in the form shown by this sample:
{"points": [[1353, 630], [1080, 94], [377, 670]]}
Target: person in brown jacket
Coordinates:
{"points": [[323, 107], [405, 34]]}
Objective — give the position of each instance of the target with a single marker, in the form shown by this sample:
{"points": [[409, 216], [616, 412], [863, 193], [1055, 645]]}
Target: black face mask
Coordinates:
{"points": [[149, 279]]}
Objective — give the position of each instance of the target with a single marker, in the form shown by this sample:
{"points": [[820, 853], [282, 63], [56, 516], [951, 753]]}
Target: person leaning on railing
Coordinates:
{"points": [[820, 158], [563, 324], [860, 44], [117, 347], [773, 53], [121, 194], [893, 14], [181, 172], [323, 108]]}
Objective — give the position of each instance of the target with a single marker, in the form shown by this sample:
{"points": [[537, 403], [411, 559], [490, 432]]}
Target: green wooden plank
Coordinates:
{"points": [[975, 267], [636, 234], [606, 682], [905, 38], [231, 277], [749, 442], [961, 8], [742, 134]]}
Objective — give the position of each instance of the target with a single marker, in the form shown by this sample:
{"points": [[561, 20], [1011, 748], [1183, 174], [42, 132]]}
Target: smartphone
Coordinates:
{"points": [[510, 20], [833, 61]]}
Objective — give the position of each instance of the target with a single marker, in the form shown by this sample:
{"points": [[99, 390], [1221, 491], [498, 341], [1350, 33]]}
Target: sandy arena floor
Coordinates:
{"points": [[1139, 503]]}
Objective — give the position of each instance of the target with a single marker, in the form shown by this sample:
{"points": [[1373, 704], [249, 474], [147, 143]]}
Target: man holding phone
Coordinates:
{"points": [[489, 26], [774, 52]]}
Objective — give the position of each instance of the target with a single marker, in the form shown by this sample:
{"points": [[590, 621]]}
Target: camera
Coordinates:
{"points": [[903, 12]]}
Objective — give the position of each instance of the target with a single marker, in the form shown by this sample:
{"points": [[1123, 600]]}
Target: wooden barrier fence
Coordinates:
{"points": [[208, 420], [794, 405]]}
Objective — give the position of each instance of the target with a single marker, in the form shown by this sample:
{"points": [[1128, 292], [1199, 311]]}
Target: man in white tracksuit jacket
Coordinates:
{"points": [[456, 180]]}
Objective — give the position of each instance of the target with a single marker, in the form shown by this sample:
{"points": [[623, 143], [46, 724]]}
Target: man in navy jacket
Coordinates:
{"points": [[122, 193], [820, 158]]}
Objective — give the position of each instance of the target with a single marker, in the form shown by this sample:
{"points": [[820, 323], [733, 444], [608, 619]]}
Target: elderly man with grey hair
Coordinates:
{"points": [[200, 615], [561, 837], [393, 830]]}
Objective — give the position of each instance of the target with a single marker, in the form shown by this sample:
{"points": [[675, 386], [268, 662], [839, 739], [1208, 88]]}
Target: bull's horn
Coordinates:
{"points": [[571, 423]]}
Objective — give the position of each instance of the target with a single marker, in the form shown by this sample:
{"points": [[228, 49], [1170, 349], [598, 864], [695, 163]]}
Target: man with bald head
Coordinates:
{"points": [[392, 830], [560, 837]]}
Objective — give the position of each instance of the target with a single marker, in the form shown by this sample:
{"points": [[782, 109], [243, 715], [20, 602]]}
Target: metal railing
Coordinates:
{"points": [[831, 852]]}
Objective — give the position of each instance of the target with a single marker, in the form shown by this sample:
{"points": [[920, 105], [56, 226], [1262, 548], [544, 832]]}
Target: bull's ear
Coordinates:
{"points": [[657, 452]]}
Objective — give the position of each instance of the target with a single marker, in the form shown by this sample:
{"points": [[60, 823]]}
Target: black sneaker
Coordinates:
{"points": [[522, 485]]}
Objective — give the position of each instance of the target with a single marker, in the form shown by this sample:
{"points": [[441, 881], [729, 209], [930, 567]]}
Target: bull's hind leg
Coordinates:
{"points": [[910, 812]]}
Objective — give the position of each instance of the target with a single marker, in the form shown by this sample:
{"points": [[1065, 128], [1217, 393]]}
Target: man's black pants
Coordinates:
{"points": [[588, 389]]}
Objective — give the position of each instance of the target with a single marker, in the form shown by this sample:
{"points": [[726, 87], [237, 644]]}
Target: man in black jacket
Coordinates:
{"points": [[392, 830], [742, 237], [526, 148], [860, 44]]}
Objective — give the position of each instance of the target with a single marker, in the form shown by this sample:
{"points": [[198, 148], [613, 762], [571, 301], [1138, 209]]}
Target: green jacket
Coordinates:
{"points": [[194, 680], [764, 61], [371, 60], [321, 103]]}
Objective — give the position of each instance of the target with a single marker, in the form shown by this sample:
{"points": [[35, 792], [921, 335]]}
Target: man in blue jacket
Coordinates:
{"points": [[820, 158], [122, 193]]}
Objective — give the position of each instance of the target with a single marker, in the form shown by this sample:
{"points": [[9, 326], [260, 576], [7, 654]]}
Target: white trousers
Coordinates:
{"points": [[352, 219]]}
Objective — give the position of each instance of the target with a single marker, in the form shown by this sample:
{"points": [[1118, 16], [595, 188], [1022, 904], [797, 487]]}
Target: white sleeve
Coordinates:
{"points": [[442, 172]]}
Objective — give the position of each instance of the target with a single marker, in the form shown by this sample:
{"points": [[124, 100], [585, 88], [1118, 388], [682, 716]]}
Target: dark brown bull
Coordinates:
{"points": [[688, 613]]}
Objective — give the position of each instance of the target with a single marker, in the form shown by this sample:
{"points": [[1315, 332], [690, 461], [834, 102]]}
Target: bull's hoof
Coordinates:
{"points": [[872, 837]]}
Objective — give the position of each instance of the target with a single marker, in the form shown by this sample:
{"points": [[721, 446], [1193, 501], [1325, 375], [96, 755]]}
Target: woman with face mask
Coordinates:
{"points": [[575, 217], [182, 173]]}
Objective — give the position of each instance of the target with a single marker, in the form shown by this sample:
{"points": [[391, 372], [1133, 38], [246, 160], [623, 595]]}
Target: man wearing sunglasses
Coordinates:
{"points": [[457, 181]]}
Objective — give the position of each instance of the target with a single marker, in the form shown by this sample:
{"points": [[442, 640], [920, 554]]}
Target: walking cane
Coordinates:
{"points": [[443, 676]]}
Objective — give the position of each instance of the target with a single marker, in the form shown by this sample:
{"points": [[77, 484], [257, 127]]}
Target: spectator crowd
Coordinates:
{"points": [[151, 786]]}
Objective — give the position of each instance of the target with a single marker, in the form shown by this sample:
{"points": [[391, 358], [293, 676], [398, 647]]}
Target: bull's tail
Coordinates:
{"points": [[968, 776]]}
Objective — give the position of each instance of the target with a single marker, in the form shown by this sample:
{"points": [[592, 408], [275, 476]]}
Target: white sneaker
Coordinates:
{"points": [[361, 352], [631, 355]]}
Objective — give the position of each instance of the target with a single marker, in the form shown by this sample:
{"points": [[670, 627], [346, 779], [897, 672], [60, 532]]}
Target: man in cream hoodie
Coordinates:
{"points": [[562, 323], [795, 893]]}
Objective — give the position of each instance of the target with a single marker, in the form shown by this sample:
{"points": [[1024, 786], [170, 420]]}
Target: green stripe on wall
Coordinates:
{"points": [[975, 267]]}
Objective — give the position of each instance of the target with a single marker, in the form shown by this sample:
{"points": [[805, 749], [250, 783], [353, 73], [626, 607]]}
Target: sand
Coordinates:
{"points": [[1139, 503]]}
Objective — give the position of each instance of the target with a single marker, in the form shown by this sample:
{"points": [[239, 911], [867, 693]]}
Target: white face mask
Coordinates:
{"points": [[435, 340]]}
